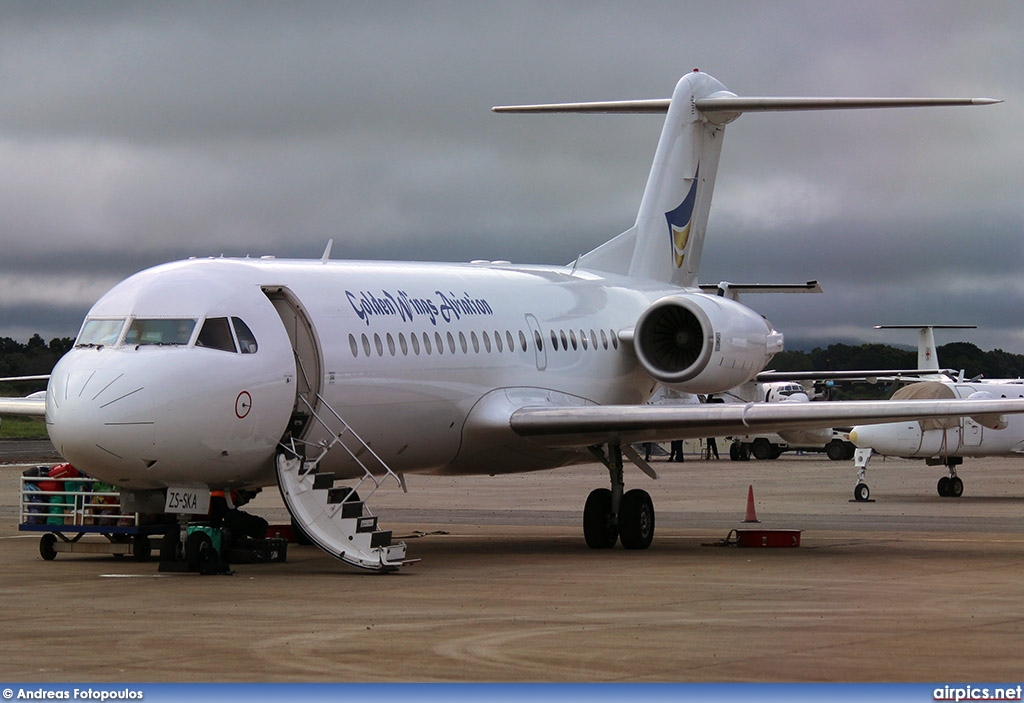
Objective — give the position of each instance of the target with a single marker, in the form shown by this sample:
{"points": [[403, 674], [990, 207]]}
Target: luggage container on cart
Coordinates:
{"points": [[67, 507]]}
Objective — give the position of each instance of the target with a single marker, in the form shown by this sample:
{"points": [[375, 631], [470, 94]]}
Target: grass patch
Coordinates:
{"points": [[22, 428]]}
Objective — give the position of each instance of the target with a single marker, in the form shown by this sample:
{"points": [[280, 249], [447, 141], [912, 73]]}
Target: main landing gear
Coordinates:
{"points": [[612, 515], [951, 486]]}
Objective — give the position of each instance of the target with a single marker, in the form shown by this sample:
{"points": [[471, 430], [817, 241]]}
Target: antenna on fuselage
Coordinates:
{"points": [[327, 252]]}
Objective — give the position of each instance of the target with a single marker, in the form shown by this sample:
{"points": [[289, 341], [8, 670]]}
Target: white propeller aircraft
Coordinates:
{"points": [[941, 442], [242, 373]]}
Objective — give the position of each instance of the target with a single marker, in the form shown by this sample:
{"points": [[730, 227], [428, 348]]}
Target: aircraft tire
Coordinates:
{"points": [[46, 550], [198, 548], [170, 547], [636, 520], [598, 529], [861, 492], [956, 487], [943, 487]]}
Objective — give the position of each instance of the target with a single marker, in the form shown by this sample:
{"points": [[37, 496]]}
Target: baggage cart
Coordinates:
{"points": [[67, 510]]}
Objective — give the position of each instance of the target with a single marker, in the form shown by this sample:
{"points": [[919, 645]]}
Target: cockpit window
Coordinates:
{"points": [[246, 339], [216, 334], [174, 331], [96, 333]]}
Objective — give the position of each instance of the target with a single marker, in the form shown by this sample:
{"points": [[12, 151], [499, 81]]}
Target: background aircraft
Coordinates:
{"points": [[242, 373], [941, 442]]}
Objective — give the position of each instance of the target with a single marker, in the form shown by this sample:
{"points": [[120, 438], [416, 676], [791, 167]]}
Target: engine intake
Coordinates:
{"points": [[701, 343]]}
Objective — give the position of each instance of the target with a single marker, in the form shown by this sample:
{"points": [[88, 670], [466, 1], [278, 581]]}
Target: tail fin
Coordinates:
{"points": [[666, 242], [927, 356]]}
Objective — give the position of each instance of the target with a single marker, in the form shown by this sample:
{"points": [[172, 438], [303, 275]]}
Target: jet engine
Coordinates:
{"points": [[703, 343]]}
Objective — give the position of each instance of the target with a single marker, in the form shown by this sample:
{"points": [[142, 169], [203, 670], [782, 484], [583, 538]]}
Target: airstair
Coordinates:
{"points": [[335, 517]]}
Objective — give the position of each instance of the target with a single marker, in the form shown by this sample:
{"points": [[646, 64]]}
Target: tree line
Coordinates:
{"points": [[36, 357], [955, 355]]}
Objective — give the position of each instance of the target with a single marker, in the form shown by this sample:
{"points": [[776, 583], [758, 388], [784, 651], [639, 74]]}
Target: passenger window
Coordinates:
{"points": [[216, 334], [246, 339], [353, 345]]}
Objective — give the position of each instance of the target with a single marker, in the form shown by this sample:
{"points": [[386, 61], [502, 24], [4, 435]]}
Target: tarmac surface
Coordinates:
{"points": [[909, 587]]}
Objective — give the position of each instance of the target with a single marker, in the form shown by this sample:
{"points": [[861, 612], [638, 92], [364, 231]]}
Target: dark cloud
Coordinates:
{"points": [[131, 134]]}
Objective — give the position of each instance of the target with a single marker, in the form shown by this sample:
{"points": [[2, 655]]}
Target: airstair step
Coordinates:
{"points": [[323, 480], [380, 539], [367, 523]]}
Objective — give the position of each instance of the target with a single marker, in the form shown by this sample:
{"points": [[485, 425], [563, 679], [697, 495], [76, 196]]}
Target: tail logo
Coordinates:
{"points": [[679, 221]]}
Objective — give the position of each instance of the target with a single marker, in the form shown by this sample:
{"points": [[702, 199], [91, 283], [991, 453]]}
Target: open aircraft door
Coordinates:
{"points": [[308, 358]]}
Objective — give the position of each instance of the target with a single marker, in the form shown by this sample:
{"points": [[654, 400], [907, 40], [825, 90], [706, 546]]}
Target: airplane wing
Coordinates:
{"points": [[30, 407], [865, 375], [33, 405], [597, 424]]}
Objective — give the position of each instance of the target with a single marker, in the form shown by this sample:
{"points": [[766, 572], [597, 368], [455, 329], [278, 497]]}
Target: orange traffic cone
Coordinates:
{"points": [[751, 515]]}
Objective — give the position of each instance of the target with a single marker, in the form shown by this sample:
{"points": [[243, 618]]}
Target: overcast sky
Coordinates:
{"points": [[137, 133]]}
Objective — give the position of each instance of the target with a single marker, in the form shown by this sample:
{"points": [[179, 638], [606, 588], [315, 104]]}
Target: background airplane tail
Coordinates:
{"points": [[666, 242]]}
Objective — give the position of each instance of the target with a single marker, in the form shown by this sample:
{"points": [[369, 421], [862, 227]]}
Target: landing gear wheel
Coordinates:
{"points": [[598, 528], [943, 487], [956, 487], [199, 553], [636, 520], [141, 548], [46, 550], [861, 492], [170, 548]]}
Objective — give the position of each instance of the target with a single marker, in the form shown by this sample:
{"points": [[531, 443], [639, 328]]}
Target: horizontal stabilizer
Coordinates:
{"points": [[731, 290], [746, 104]]}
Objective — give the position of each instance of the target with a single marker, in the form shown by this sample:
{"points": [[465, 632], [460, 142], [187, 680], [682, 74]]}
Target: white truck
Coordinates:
{"points": [[835, 443]]}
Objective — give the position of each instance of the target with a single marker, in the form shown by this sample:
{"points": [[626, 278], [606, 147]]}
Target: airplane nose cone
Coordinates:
{"points": [[99, 416], [150, 418]]}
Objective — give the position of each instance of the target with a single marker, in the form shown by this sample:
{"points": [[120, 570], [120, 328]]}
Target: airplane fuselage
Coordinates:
{"points": [[424, 361], [959, 437]]}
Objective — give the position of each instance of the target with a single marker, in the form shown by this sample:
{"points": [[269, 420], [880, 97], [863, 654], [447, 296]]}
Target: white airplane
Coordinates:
{"points": [[941, 442], [242, 373]]}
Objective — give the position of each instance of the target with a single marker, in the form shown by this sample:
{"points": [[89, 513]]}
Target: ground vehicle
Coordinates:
{"points": [[769, 446]]}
